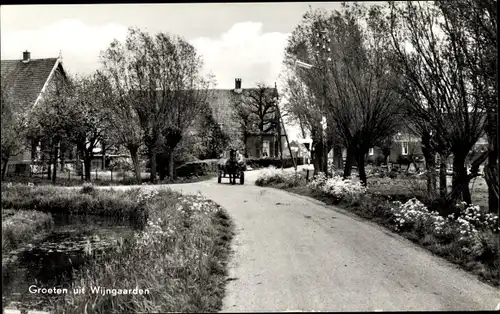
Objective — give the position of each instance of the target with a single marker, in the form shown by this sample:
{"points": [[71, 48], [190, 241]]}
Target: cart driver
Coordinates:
{"points": [[239, 156]]}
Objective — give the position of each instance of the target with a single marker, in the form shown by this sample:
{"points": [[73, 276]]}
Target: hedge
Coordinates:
{"points": [[197, 168], [276, 162]]}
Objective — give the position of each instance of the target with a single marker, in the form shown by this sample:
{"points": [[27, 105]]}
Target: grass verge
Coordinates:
{"points": [[63, 181], [78, 201]]}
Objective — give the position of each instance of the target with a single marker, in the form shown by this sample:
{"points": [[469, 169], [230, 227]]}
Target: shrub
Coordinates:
{"points": [[59, 200], [197, 168], [414, 215], [272, 176], [337, 187], [88, 188], [275, 162]]}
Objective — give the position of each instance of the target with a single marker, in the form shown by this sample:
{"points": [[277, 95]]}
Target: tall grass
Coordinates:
{"points": [[20, 226], [180, 257], [64, 201]]}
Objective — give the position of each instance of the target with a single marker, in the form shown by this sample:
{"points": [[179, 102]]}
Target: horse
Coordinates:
{"points": [[231, 166]]}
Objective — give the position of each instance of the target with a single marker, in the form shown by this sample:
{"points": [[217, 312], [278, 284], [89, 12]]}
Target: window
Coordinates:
{"points": [[404, 148], [371, 152], [265, 149]]}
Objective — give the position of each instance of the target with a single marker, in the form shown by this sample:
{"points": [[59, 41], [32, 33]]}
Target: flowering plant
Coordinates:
{"points": [[273, 175], [337, 186], [475, 217]]}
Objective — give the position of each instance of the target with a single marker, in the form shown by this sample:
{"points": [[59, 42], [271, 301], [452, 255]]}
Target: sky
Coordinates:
{"points": [[245, 40], [235, 40]]}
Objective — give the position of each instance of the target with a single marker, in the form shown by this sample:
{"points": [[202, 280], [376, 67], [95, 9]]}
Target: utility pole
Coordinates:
{"points": [[284, 130], [323, 53]]}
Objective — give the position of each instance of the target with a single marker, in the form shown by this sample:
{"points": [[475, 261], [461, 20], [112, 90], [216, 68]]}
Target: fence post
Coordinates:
{"points": [[96, 173], [307, 175], [111, 175]]}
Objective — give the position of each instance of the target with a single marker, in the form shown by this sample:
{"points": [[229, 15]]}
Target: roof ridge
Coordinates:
{"points": [[20, 60]]}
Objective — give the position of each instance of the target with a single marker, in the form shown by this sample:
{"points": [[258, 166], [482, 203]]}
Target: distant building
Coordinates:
{"points": [[222, 103]]}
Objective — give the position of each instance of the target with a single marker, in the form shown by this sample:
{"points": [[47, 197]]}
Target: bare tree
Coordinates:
{"points": [[361, 95], [306, 88], [246, 121], [162, 73], [261, 103], [447, 97], [478, 19]]}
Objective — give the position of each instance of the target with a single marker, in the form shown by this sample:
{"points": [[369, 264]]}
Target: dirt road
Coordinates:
{"points": [[293, 253]]}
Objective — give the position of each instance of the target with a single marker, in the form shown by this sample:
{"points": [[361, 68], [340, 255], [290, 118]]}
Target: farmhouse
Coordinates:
{"points": [[222, 103], [25, 81]]}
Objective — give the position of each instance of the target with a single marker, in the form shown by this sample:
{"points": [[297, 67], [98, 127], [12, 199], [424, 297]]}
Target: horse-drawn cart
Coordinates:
{"points": [[232, 168]]}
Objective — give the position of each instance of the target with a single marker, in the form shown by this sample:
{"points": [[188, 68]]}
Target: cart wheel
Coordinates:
{"points": [[219, 178], [242, 178]]}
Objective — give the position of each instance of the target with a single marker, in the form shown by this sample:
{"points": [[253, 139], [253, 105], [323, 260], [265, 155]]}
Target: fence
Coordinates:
{"points": [[95, 175]]}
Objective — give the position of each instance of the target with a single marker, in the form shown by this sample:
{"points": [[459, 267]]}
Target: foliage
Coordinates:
{"points": [[271, 175], [275, 162], [213, 139], [180, 257], [356, 82], [337, 187], [439, 57], [161, 74], [197, 168], [121, 163], [59, 200], [14, 128]]}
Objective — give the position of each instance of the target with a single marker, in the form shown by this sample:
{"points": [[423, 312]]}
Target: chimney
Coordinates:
{"points": [[237, 84], [26, 56]]}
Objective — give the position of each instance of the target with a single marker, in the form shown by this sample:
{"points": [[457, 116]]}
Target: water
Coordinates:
{"points": [[50, 259]]}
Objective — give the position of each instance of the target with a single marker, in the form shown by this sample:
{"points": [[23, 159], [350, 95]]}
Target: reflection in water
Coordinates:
{"points": [[50, 262]]}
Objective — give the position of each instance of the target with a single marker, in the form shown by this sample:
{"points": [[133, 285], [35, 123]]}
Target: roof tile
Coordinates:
{"points": [[24, 81]]}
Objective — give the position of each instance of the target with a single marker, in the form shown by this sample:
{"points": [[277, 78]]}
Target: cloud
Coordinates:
{"points": [[243, 51], [80, 44]]}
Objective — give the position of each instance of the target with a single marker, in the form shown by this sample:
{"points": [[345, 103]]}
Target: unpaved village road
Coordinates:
{"points": [[294, 253]]}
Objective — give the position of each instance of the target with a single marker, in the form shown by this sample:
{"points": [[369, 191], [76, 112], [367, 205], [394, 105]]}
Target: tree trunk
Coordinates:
{"points": [[171, 170], [443, 182], [324, 157], [162, 165], [4, 168], [430, 164], [318, 158], [262, 142], [153, 167], [62, 150], [337, 156], [491, 177], [54, 173], [460, 179], [87, 162], [135, 160], [103, 165], [491, 169], [78, 162], [49, 165], [360, 160], [348, 163]]}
